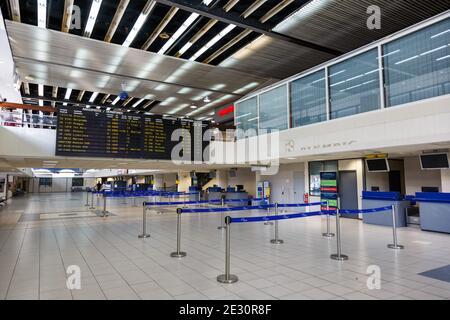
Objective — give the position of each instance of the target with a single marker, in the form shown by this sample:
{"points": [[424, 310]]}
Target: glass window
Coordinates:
{"points": [[355, 85], [247, 115], [315, 168], [273, 109], [417, 66], [308, 100]]}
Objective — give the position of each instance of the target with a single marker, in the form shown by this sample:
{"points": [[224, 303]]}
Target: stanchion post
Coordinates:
{"points": [[268, 223], [134, 200], [338, 256], [104, 213], [92, 201], [328, 234], [276, 240], [87, 198], [144, 234], [222, 218], [178, 253], [227, 277], [395, 245]]}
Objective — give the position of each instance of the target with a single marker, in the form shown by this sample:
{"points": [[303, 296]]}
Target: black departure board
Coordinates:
{"points": [[91, 132]]}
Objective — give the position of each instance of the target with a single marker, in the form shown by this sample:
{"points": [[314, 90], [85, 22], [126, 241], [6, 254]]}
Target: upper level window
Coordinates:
{"points": [[355, 85], [417, 66], [246, 118], [308, 99], [273, 110]]}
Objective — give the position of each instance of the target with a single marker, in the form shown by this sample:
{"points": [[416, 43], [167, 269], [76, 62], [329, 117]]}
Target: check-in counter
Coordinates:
{"points": [[383, 199], [434, 211], [233, 195], [215, 193], [193, 194]]}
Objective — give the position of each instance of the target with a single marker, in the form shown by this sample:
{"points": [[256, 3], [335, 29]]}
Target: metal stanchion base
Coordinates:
{"points": [[144, 236], [178, 254], [328, 235], [87, 205], [221, 228], [276, 241], [105, 214], [393, 246], [230, 279], [268, 223], [91, 208], [341, 257]]}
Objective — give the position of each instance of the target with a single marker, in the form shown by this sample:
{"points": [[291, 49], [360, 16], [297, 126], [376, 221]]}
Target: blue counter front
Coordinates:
{"points": [[434, 211], [383, 199]]}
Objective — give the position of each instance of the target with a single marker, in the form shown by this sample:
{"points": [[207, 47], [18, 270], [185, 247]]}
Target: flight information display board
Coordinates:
{"points": [[96, 133]]}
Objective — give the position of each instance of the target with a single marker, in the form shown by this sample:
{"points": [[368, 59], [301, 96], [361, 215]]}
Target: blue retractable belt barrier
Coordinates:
{"points": [[273, 218], [179, 203], [245, 200], [363, 211], [296, 205], [227, 209]]}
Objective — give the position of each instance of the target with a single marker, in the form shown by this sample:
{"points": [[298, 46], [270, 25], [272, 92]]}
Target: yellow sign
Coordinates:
{"points": [[377, 156]]}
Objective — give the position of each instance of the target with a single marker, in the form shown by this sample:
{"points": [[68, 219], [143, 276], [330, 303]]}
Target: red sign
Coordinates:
{"points": [[226, 111]]}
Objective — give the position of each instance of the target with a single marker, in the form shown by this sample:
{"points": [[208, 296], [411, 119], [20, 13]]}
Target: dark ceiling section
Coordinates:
{"points": [[157, 14], [85, 8], [55, 13], [103, 22], [170, 29], [33, 98], [28, 11], [130, 16]]}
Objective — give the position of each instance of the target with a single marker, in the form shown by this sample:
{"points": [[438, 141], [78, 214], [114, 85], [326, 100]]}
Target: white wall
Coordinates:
{"points": [[245, 177], [415, 178], [283, 181], [445, 180]]}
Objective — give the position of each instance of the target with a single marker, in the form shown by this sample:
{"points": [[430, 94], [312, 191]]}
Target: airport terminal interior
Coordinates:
{"points": [[224, 150]]}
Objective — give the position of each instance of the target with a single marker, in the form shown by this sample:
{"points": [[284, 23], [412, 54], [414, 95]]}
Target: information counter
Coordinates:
{"points": [[434, 211], [215, 193], [383, 199]]}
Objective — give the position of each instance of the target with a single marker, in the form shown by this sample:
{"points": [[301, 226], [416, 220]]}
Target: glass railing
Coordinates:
{"points": [[409, 66], [24, 119]]}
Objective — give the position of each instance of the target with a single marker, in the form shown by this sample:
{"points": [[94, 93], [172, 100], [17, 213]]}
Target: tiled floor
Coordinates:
{"points": [[115, 264]]}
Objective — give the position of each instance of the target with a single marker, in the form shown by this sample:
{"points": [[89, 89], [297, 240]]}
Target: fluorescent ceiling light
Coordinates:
{"points": [[42, 13], [138, 103], [93, 97], [139, 23], [190, 20], [253, 119], [67, 96], [115, 101], [213, 41], [95, 8], [433, 50]]}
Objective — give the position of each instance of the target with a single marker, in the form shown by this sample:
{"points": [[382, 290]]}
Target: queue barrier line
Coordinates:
{"points": [[275, 218], [203, 210]]}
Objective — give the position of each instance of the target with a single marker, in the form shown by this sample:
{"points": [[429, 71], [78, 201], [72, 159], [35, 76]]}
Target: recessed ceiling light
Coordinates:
{"points": [[193, 107], [164, 35], [29, 78], [206, 100]]}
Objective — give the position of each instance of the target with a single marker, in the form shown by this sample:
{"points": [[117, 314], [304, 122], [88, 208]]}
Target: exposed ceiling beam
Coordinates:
{"points": [[230, 5], [160, 28], [105, 98], [253, 8], [67, 17], [116, 20], [251, 24], [81, 95], [283, 4], [57, 100], [15, 10], [228, 45]]}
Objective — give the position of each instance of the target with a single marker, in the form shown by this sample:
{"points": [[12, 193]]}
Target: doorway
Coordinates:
{"points": [[299, 186], [348, 192]]}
